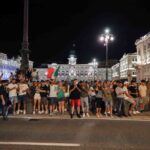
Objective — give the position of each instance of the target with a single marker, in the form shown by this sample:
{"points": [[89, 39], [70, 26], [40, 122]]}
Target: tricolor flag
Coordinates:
{"points": [[53, 72]]}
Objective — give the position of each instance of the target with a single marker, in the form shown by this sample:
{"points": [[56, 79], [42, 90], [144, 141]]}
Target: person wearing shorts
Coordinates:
{"points": [[52, 98], [133, 90], [75, 98], [143, 95], [22, 95], [107, 96], [99, 98], [12, 89], [3, 100], [128, 98], [37, 98], [84, 98], [44, 101], [61, 98]]}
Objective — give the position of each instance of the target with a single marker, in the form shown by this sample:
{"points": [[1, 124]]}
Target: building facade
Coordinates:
{"points": [[8, 66], [127, 66], [143, 57], [116, 71], [72, 70]]}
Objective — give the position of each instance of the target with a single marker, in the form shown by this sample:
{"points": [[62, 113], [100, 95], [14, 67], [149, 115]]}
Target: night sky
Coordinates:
{"points": [[55, 25]]}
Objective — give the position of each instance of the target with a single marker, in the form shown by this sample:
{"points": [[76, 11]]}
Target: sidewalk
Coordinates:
{"points": [[145, 116]]}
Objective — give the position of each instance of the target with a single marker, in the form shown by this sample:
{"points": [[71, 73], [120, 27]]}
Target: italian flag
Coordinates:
{"points": [[52, 72]]}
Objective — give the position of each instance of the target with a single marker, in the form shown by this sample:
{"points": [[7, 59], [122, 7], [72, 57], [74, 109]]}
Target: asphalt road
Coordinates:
{"points": [[85, 133]]}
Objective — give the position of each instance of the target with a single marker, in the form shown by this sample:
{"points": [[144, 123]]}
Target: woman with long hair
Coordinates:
{"points": [[99, 97], [37, 97], [107, 91], [61, 98]]}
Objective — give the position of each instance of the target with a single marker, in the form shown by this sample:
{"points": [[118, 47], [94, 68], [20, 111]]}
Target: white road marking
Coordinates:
{"points": [[40, 144]]}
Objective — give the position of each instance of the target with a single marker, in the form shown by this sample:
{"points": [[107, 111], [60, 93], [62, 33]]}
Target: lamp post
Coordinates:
{"points": [[106, 37], [25, 44], [94, 63]]}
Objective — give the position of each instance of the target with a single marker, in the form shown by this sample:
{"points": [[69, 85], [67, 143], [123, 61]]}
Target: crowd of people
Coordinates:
{"points": [[83, 98]]}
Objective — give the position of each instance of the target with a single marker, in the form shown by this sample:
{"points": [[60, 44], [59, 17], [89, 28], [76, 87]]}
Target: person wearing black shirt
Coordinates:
{"points": [[75, 98], [44, 92], [3, 98]]}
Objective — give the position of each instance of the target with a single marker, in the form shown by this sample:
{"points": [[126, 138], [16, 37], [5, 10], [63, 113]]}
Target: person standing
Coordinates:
{"points": [[12, 89], [34, 75], [3, 99], [99, 98], [44, 101], [61, 98], [120, 98], [84, 98], [52, 97], [148, 94], [143, 95], [37, 98], [75, 92], [22, 95], [107, 96]]}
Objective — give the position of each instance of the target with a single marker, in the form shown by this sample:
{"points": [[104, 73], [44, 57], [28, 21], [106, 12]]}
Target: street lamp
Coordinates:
{"points": [[106, 38], [94, 63]]}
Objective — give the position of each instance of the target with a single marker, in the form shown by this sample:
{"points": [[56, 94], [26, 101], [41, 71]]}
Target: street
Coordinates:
{"points": [[75, 134]]}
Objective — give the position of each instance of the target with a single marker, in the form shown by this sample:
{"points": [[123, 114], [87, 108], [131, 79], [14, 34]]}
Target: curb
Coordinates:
{"points": [[67, 117]]}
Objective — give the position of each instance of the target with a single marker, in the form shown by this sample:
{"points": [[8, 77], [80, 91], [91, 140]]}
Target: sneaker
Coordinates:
{"points": [[18, 111], [24, 112], [87, 114], [134, 112], [39, 112], [97, 115], [55, 110], [78, 115], [33, 112], [65, 109], [105, 114], [137, 112], [111, 116], [130, 114], [71, 116], [83, 115], [46, 112], [51, 114], [42, 112]]}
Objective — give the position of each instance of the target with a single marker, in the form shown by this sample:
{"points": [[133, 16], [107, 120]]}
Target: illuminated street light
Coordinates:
{"points": [[106, 38], [107, 30]]}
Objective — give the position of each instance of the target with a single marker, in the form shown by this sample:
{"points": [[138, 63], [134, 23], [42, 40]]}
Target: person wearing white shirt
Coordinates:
{"points": [[120, 97], [22, 95], [12, 89], [128, 97], [52, 96]]}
